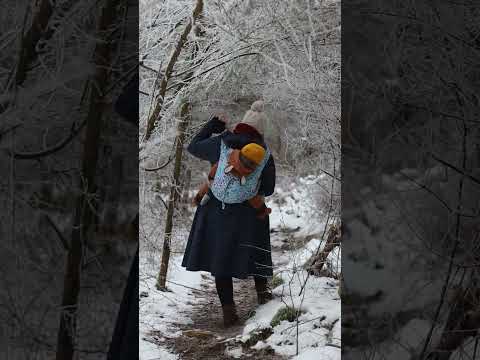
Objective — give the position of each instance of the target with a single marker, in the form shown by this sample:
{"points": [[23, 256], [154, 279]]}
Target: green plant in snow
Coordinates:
{"points": [[276, 281], [285, 313]]}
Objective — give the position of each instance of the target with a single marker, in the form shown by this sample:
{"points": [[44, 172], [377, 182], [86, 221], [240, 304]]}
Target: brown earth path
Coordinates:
{"points": [[206, 338]]}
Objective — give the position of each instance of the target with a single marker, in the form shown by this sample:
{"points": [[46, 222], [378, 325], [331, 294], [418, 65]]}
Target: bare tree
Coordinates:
{"points": [[31, 38], [197, 11], [83, 213], [174, 195], [286, 53]]}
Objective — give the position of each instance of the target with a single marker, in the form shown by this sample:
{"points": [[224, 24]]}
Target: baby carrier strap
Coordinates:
{"points": [[228, 188]]}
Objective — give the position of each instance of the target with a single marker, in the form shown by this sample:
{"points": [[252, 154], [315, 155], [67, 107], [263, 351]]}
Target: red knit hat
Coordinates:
{"points": [[242, 128]]}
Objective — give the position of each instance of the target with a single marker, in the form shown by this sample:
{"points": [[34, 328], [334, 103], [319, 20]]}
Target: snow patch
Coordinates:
{"points": [[235, 353], [319, 353], [318, 325], [160, 312]]}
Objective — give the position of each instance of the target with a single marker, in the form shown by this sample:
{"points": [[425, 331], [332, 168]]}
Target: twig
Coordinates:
{"points": [[188, 287], [455, 246], [62, 238], [4, 132], [301, 323], [211, 68], [152, 120], [161, 166], [453, 167], [35, 155], [427, 189]]}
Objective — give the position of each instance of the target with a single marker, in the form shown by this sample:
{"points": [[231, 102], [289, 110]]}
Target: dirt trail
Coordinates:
{"points": [[207, 338]]}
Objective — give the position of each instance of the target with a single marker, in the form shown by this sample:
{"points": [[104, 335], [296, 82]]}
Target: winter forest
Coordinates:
{"points": [[66, 235], [300, 179], [202, 58]]}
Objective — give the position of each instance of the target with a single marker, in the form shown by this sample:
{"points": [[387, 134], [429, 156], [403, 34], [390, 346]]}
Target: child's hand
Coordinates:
{"points": [[263, 213], [196, 200]]}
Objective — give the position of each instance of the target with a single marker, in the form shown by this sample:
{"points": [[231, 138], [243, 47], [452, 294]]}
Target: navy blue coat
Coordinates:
{"points": [[229, 242]]}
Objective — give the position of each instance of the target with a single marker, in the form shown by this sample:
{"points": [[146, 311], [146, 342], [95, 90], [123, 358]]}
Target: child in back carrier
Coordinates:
{"points": [[241, 163]]}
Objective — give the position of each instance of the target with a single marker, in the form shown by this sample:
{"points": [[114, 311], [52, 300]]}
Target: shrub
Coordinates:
{"points": [[285, 313], [276, 281]]}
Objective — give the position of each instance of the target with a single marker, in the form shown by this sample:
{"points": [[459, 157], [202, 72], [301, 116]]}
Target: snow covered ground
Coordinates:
{"points": [[391, 251], [319, 325], [294, 217], [319, 331], [161, 311]]}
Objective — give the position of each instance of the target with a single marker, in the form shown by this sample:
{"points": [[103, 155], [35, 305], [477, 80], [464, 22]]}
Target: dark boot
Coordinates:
{"points": [[230, 316], [263, 293], [225, 294]]}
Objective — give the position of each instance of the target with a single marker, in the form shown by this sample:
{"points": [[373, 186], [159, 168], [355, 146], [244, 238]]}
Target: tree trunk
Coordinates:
{"points": [[30, 40], [186, 187], [174, 195], [83, 215], [26, 51], [333, 240], [463, 322], [169, 69]]}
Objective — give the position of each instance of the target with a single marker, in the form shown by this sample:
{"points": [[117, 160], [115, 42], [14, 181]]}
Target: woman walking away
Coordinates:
{"points": [[228, 238]]}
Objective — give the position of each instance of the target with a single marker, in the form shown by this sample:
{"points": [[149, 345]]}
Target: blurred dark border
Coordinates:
{"points": [[410, 179], [69, 154]]}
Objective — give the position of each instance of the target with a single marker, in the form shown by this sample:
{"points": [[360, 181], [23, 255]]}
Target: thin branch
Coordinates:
{"points": [[163, 202], [152, 120], [444, 203], [148, 68], [453, 167], [455, 245], [415, 19], [35, 155], [4, 132], [126, 75], [30, 40], [211, 68], [161, 166], [62, 238]]}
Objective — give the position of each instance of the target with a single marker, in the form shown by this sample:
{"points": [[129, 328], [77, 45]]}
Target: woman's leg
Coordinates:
{"points": [[263, 294], [224, 287]]}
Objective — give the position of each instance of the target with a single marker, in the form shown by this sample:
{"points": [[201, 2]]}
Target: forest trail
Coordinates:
{"points": [[206, 337], [186, 321]]}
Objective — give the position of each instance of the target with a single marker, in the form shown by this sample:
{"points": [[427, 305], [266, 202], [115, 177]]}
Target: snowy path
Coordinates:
{"points": [[187, 322]]}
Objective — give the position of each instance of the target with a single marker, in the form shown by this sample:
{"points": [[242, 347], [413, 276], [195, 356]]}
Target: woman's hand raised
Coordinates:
{"points": [[218, 123], [222, 117]]}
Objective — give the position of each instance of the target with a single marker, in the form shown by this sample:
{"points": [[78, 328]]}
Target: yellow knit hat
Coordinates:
{"points": [[253, 152]]}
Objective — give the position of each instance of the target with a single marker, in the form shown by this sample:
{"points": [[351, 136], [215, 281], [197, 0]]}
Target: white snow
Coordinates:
{"points": [[319, 326], [149, 351], [409, 340], [235, 353], [319, 353], [160, 311], [296, 207], [377, 255], [319, 332]]}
